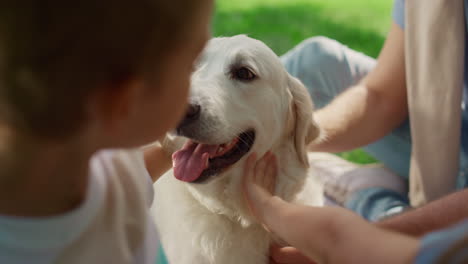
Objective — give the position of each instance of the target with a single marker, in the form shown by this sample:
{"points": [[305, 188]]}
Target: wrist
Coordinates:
{"points": [[275, 212]]}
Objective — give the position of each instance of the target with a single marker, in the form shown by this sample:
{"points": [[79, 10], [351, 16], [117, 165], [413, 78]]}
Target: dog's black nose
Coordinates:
{"points": [[193, 113]]}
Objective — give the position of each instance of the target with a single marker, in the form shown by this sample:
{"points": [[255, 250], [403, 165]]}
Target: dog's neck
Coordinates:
{"points": [[223, 195]]}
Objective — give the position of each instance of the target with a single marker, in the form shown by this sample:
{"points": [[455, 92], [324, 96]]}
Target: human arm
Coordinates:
{"points": [[417, 222], [433, 216], [372, 108], [326, 235]]}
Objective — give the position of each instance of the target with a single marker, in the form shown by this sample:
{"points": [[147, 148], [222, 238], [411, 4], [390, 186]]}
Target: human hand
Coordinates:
{"points": [[320, 233], [259, 183]]}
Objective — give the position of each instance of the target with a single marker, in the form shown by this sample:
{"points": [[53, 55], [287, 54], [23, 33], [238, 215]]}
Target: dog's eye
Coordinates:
{"points": [[243, 74]]}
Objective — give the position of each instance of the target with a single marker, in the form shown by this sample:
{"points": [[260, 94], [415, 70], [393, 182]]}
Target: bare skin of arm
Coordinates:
{"points": [[326, 234], [433, 216], [436, 215], [368, 111]]}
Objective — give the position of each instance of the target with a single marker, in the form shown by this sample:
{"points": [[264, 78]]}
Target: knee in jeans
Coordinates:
{"points": [[319, 52]]}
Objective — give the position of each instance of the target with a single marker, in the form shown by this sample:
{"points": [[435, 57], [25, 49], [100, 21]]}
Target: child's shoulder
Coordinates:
{"points": [[112, 222], [123, 223], [125, 169]]}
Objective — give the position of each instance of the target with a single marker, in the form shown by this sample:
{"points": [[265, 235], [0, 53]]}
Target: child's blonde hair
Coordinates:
{"points": [[53, 53]]}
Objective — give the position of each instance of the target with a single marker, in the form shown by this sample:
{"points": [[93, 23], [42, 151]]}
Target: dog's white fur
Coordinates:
{"points": [[209, 222]]}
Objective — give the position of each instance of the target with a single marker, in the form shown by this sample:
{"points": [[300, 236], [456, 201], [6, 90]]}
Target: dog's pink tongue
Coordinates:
{"points": [[191, 160]]}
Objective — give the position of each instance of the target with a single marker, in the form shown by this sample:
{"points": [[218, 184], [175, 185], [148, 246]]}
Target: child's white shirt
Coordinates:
{"points": [[113, 224]]}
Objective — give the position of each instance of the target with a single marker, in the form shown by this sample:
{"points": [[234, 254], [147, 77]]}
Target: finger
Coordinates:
{"points": [[249, 167], [271, 173], [288, 255], [259, 172], [262, 176], [248, 174]]}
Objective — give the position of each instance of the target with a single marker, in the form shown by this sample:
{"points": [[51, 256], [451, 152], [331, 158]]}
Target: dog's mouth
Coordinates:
{"points": [[197, 162]]}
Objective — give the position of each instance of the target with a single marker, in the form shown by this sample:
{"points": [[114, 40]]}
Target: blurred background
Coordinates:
{"points": [[360, 24]]}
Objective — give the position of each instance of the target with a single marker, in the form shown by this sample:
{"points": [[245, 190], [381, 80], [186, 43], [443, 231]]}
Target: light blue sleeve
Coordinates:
{"points": [[451, 244], [399, 13]]}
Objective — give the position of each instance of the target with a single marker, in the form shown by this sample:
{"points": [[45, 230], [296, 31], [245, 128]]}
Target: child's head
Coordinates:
{"points": [[64, 63]]}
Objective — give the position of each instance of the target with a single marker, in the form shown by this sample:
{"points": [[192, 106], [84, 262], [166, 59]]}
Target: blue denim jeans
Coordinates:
{"points": [[327, 68]]}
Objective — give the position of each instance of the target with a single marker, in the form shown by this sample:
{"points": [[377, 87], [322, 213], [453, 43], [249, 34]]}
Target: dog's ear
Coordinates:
{"points": [[305, 130]]}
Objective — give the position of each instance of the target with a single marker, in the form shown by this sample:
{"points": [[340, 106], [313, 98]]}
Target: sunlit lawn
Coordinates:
{"points": [[281, 24]]}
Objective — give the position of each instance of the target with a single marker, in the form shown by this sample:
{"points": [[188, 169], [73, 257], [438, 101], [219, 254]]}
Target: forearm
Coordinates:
{"points": [[291, 222], [356, 118], [368, 244], [433, 216], [371, 109], [336, 235]]}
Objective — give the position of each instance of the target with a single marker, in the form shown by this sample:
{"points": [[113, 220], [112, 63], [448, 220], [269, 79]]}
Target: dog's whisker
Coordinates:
{"points": [[242, 139]]}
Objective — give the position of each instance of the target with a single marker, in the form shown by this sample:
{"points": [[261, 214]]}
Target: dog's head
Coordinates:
{"points": [[242, 100]]}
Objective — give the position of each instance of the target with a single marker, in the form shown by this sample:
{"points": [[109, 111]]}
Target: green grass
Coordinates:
{"points": [[281, 24]]}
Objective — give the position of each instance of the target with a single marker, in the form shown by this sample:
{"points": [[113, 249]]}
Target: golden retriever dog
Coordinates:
{"points": [[242, 100]]}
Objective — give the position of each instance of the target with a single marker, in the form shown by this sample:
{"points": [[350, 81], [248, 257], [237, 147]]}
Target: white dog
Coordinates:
{"points": [[242, 100]]}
